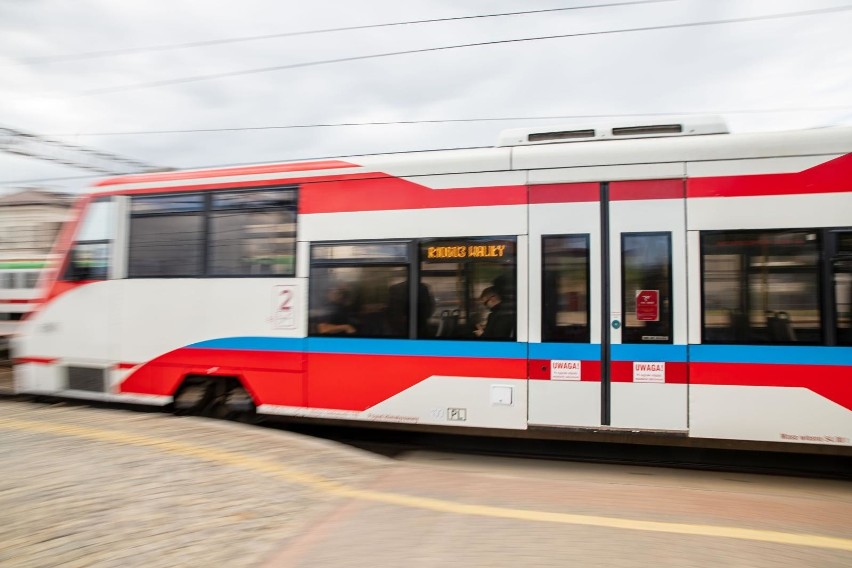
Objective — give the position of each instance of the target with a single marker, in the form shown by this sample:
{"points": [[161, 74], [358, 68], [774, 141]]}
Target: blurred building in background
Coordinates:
{"points": [[30, 221]]}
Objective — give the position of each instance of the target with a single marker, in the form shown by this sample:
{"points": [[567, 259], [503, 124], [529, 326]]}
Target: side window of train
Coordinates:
{"points": [[360, 289], [565, 288], [166, 235], [89, 258], [214, 234], [762, 287], [646, 287], [252, 233], [471, 284], [429, 289]]}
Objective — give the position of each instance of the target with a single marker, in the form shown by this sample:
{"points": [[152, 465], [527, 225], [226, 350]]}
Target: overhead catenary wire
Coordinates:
{"points": [[832, 108], [260, 70], [263, 37]]}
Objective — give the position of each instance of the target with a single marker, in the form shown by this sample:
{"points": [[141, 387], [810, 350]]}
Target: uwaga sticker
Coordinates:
{"points": [[565, 370], [649, 372]]}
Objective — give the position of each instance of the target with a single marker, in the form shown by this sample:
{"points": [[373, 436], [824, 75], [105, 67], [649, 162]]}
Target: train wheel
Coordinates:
{"points": [[215, 397], [240, 405], [192, 397]]}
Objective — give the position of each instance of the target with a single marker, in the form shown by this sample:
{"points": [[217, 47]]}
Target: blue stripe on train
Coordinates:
{"points": [[771, 354], [358, 346], [767, 354], [592, 352]]}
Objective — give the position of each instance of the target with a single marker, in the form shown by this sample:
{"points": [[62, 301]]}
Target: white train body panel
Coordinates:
{"points": [[791, 414]]}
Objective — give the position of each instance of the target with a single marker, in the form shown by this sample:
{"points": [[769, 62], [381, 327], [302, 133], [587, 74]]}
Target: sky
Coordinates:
{"points": [[122, 76]]}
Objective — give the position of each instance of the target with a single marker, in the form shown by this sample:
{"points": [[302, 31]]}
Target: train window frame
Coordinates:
{"points": [[748, 335], [582, 335], [207, 206]]}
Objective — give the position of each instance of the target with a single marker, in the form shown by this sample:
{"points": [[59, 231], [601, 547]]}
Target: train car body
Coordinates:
{"points": [[669, 279]]}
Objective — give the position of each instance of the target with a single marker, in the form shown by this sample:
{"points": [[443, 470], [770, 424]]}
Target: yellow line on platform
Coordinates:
{"points": [[324, 485]]}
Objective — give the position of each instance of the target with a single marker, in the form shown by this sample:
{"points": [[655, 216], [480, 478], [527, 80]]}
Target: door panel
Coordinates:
{"points": [[647, 292], [564, 332]]}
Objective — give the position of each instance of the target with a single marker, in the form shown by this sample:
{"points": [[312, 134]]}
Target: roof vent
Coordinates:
{"points": [[564, 135], [646, 130], [634, 128]]}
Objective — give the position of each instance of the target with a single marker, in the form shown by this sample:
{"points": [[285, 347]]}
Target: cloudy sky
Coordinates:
{"points": [[155, 81]]}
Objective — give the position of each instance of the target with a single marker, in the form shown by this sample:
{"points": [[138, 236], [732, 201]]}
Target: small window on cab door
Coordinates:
{"points": [[89, 257]]}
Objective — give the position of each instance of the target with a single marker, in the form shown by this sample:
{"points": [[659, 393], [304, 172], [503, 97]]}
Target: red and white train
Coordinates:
{"points": [[660, 277]]}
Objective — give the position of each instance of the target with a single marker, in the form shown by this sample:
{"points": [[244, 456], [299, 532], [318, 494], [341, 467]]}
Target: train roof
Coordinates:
{"points": [[664, 141]]}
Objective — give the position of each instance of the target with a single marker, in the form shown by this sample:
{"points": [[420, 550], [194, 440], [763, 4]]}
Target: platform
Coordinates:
{"points": [[93, 487]]}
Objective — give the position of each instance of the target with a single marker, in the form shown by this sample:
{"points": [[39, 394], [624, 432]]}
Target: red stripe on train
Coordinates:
{"points": [[390, 193], [565, 193], [618, 191], [379, 192], [621, 371], [834, 176], [315, 380], [357, 382], [37, 360], [833, 382], [216, 186], [646, 189], [225, 172]]}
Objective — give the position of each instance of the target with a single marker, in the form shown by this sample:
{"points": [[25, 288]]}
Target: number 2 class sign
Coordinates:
{"points": [[648, 305], [283, 307]]}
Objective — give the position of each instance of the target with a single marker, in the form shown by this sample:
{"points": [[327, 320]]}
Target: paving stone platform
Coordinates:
{"points": [[91, 487]]}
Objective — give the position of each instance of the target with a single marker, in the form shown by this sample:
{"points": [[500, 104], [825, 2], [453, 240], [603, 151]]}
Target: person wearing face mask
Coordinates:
{"points": [[501, 320]]}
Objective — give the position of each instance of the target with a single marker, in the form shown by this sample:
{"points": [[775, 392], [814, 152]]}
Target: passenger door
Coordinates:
{"points": [[608, 270]]}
